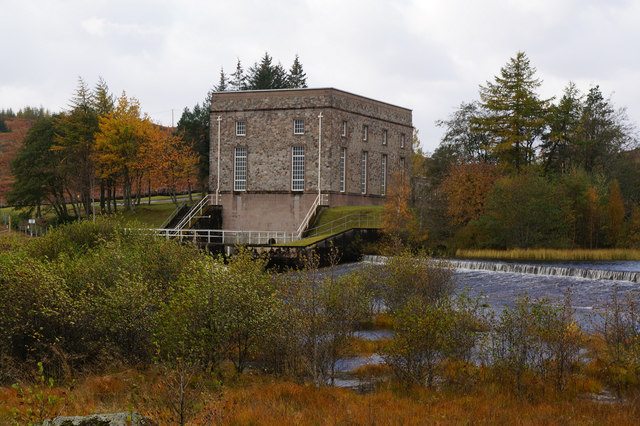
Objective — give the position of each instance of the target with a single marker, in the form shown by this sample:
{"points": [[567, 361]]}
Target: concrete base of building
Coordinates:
{"points": [[279, 211]]}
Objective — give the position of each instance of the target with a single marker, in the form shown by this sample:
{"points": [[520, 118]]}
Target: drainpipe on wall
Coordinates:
{"points": [[319, 152], [218, 178]]}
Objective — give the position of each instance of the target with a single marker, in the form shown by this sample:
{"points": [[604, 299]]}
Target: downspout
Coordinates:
{"points": [[319, 153], [218, 169]]}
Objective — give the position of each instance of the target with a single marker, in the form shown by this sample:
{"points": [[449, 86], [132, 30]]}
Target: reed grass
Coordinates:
{"points": [[266, 400], [551, 254]]}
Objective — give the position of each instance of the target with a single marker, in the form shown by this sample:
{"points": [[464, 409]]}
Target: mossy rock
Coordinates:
{"points": [[117, 419]]}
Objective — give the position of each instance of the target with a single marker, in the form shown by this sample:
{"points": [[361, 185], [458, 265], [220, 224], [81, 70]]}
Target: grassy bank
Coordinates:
{"points": [[552, 254], [334, 220], [147, 214], [264, 400]]}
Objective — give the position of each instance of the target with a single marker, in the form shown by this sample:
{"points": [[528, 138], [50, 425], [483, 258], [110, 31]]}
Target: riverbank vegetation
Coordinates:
{"points": [[551, 255], [119, 321], [517, 171]]}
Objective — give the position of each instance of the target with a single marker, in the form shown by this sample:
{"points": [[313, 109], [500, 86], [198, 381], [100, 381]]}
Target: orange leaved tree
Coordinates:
{"points": [[170, 160], [399, 220], [119, 143]]}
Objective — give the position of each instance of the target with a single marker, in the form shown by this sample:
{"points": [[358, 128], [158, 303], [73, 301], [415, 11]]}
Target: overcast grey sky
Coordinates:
{"points": [[424, 55]]}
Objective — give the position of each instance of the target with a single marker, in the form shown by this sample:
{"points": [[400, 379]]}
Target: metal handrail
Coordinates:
{"points": [[195, 210], [223, 236], [321, 199], [173, 215], [355, 220]]}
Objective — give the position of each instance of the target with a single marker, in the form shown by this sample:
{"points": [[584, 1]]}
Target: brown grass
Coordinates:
{"points": [[552, 254], [267, 401]]}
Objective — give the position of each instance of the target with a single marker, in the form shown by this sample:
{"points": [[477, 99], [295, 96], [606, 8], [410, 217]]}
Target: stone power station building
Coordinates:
{"points": [[270, 149]]}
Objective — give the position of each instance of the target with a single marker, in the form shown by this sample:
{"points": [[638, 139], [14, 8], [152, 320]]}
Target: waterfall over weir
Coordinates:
{"points": [[548, 270]]}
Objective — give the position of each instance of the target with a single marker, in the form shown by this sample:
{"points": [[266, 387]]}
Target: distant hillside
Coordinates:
{"points": [[9, 144]]}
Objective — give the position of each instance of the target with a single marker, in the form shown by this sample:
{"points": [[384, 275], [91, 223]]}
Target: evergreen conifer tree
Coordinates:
{"points": [[3, 126], [238, 80], [297, 78], [515, 117], [222, 86]]}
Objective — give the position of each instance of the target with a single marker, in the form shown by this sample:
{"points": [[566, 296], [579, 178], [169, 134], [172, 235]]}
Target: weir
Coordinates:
{"points": [[549, 270]]}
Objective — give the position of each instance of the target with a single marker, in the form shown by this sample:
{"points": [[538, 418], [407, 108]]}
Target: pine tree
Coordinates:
{"points": [[103, 104], [222, 86], [3, 126], [560, 143], [604, 132], [265, 75], [297, 78], [82, 98], [238, 80], [515, 116], [37, 171], [102, 100], [193, 127], [75, 139]]}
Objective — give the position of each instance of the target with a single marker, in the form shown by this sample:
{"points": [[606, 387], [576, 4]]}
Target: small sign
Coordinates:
{"points": [[32, 221]]}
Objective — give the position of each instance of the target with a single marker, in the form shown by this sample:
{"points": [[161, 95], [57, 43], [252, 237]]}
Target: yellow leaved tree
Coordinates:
{"points": [[120, 143], [399, 220]]}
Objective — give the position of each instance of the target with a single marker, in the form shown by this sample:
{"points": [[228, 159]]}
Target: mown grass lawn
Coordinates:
{"points": [[147, 215]]}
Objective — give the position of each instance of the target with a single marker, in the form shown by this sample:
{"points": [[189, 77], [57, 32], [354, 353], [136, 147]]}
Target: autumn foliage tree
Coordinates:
{"points": [[466, 187], [121, 135], [615, 214], [399, 220], [169, 160]]}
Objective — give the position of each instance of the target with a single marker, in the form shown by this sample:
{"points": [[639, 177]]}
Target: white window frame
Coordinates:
{"points": [[402, 141], [344, 129], [297, 168], [383, 186], [364, 173], [365, 132], [343, 169], [298, 126], [384, 137], [241, 128], [240, 169]]}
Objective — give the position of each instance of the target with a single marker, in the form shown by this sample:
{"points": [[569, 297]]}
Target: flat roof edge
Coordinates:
{"points": [[311, 89]]}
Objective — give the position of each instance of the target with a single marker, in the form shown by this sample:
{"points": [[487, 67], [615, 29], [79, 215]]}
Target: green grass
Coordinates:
{"points": [[552, 254], [333, 215], [151, 215]]}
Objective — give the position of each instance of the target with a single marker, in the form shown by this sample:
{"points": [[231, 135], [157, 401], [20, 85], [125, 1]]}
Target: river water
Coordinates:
{"points": [[500, 284], [591, 283]]}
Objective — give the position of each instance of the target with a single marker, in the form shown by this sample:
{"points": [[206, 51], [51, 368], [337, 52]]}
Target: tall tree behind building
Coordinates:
{"points": [[297, 78], [515, 117], [266, 75]]}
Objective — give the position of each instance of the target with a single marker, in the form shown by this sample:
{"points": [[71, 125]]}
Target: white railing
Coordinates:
{"points": [[196, 210], [173, 215], [321, 200], [223, 236]]}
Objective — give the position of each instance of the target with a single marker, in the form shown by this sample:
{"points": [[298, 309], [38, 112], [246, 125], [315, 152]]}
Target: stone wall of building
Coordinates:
{"points": [[269, 202]]}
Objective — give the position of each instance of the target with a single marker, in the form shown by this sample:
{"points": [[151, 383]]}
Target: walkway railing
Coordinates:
{"points": [[196, 210], [223, 236], [355, 220], [321, 200], [173, 215]]}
